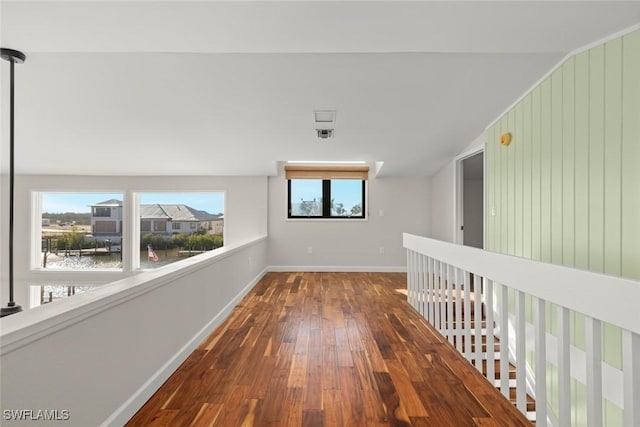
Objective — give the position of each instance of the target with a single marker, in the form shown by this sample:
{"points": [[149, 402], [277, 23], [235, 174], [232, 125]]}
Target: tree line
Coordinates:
{"points": [[79, 218], [199, 241]]}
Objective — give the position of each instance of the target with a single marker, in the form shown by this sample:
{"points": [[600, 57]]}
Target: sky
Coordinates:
{"points": [[345, 191], [81, 202]]}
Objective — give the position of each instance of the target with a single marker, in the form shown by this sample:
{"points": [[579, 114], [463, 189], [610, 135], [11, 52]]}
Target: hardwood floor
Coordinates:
{"points": [[327, 349]]}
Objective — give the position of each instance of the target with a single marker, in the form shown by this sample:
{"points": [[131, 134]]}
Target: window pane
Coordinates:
{"points": [[81, 231], [346, 197], [178, 225], [306, 197]]}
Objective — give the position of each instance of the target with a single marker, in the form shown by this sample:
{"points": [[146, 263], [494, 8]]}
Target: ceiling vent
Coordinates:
{"points": [[325, 116], [324, 123], [324, 133]]}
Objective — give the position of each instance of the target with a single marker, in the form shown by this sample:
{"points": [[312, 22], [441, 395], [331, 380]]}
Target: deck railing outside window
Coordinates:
{"points": [[481, 300]]}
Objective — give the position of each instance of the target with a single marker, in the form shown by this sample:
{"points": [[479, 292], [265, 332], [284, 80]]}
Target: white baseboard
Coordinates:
{"points": [[338, 269], [140, 397]]}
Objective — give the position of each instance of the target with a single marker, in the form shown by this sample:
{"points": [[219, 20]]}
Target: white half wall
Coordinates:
{"points": [[245, 211], [101, 354], [395, 205]]}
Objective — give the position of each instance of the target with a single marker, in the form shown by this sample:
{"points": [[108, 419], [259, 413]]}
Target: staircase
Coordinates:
{"points": [[440, 276], [497, 369]]}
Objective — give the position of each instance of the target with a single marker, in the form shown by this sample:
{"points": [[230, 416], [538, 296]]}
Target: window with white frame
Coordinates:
{"points": [[81, 235], [162, 244], [80, 231]]}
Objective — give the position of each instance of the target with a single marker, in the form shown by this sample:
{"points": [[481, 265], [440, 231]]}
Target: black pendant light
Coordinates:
{"points": [[13, 56]]}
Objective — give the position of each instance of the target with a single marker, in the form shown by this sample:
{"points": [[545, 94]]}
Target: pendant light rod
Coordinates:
{"points": [[13, 56]]}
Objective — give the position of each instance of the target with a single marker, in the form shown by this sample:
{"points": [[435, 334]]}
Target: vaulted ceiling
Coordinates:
{"points": [[229, 88]]}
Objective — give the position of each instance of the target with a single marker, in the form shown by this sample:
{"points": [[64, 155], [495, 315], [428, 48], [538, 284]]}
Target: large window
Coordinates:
{"points": [[326, 192], [81, 240], [174, 226], [75, 234]]}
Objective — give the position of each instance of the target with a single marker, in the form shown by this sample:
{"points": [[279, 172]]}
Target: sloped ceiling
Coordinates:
{"points": [[229, 88]]}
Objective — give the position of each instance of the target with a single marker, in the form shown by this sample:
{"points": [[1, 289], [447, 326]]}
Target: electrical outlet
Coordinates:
{"points": [[309, 249], [381, 250]]}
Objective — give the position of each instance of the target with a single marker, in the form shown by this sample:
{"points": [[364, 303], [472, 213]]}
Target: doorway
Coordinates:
{"points": [[470, 198]]}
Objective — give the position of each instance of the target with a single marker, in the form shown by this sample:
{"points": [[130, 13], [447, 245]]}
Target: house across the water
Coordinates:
{"points": [[156, 218]]}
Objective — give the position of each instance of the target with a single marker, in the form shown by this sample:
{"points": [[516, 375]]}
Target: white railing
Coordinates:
{"points": [[445, 279]]}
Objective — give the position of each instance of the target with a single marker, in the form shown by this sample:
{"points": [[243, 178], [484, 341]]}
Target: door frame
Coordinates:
{"points": [[458, 193]]}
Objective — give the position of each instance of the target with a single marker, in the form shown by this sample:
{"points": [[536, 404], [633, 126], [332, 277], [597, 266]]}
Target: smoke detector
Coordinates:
{"points": [[324, 133]]}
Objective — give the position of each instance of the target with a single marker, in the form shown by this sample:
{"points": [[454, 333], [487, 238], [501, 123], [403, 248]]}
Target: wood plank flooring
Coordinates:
{"points": [[327, 349]]}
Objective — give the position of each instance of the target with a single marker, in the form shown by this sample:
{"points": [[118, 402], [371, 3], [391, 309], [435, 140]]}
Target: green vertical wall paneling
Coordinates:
{"points": [[578, 133], [612, 336], [497, 188], [581, 161], [545, 171], [511, 184], [579, 410], [518, 137], [535, 174], [503, 218], [492, 233], [488, 189], [613, 416], [526, 173], [552, 389], [596, 159], [578, 329], [631, 155], [568, 170], [612, 345], [556, 166], [612, 157]]}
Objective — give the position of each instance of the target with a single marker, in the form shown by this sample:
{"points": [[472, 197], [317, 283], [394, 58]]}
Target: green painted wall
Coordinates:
{"points": [[567, 189]]}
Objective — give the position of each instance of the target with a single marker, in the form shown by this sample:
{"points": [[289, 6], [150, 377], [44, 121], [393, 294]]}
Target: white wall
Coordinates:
{"points": [[245, 211], [351, 244], [443, 194], [442, 203], [101, 354]]}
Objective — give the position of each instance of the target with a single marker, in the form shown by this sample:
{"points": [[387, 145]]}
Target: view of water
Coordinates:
{"points": [[88, 261]]}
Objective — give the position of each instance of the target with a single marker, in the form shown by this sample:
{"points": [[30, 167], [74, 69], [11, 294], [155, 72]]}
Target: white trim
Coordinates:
{"points": [[124, 413], [561, 62], [336, 269]]}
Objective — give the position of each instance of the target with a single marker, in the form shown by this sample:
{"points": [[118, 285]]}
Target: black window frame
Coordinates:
{"points": [[326, 202]]}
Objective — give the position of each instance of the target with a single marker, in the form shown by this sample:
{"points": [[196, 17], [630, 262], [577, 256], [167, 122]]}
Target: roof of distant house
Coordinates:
{"points": [[110, 202], [174, 212]]}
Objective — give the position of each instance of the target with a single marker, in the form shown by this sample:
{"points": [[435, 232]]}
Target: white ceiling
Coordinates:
{"points": [[211, 88]]}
